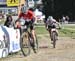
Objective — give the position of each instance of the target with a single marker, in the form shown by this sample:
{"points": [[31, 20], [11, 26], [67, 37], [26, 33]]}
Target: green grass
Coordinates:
{"points": [[67, 31], [41, 30]]}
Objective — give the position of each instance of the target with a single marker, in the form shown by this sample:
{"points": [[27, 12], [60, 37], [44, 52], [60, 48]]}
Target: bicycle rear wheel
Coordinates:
{"points": [[54, 38], [25, 44]]}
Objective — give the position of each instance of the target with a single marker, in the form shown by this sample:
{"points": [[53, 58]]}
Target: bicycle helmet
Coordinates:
{"points": [[24, 8], [50, 17]]}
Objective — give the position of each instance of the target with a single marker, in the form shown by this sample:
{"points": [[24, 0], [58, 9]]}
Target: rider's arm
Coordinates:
{"points": [[20, 15], [58, 24], [46, 24]]}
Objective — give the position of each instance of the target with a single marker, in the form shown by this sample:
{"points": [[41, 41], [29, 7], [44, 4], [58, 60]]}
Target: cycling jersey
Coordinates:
{"points": [[50, 21], [28, 15]]}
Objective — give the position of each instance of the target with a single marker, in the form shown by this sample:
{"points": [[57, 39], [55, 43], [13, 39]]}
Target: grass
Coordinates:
{"points": [[67, 31], [41, 30]]}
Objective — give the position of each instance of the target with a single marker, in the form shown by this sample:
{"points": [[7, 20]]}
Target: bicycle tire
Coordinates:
{"points": [[54, 36], [25, 44]]}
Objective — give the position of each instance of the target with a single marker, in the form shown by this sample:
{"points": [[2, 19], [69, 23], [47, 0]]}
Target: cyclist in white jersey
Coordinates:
{"points": [[51, 23]]}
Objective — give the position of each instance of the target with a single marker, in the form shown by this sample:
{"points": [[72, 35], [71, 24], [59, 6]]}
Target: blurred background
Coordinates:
{"points": [[56, 8]]}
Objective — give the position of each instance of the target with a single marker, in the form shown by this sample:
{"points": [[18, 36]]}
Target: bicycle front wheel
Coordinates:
{"points": [[54, 38], [25, 44]]}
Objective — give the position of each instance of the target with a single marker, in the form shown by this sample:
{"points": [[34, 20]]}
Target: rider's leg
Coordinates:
{"points": [[33, 32], [33, 35], [32, 29], [50, 34], [56, 34], [49, 30]]}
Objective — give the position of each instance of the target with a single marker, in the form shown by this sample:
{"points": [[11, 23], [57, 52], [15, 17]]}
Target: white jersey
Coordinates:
{"points": [[50, 21]]}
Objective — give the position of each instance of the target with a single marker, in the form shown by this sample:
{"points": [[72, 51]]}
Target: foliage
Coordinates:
{"points": [[57, 8]]}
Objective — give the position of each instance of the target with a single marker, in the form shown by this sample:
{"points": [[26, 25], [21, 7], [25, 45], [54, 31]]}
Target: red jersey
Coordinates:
{"points": [[28, 15]]}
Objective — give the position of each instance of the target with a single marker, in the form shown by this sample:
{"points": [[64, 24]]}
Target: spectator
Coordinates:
{"points": [[67, 19], [63, 19], [9, 21]]}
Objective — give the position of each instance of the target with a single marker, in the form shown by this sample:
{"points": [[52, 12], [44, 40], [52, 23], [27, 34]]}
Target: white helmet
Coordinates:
{"points": [[24, 9], [50, 17]]}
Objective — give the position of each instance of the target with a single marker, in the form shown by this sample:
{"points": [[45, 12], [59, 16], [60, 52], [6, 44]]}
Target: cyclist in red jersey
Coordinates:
{"points": [[28, 14]]}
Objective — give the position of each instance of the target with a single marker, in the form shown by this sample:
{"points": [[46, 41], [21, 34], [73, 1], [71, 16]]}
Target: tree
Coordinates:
{"points": [[57, 8]]}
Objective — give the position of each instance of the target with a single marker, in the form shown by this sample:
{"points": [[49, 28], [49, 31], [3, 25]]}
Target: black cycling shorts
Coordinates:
{"points": [[51, 26], [30, 24]]}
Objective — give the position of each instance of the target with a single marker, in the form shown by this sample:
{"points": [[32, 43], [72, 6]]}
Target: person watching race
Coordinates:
{"points": [[9, 21]]}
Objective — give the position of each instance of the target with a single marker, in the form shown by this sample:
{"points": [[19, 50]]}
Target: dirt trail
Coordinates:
{"points": [[64, 51]]}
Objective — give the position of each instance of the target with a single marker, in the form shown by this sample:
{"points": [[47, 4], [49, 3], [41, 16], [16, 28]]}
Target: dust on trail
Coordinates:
{"points": [[64, 51]]}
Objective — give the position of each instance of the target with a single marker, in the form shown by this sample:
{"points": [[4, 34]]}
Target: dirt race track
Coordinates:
{"points": [[64, 51]]}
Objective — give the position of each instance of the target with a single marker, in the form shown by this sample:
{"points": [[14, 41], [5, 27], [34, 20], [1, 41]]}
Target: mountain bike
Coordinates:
{"points": [[27, 41], [53, 34]]}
